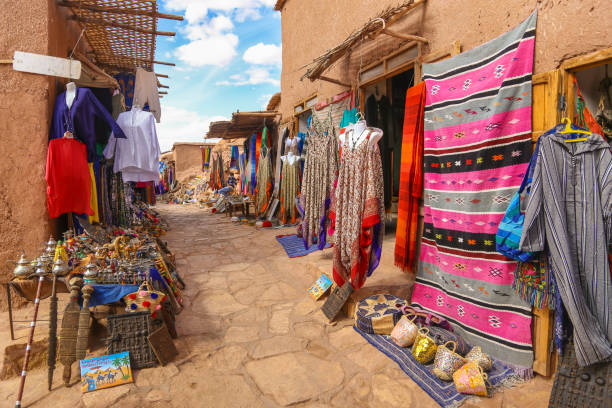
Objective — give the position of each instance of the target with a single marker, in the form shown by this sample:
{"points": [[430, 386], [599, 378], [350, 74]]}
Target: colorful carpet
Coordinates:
{"points": [[477, 144], [294, 245], [444, 393]]}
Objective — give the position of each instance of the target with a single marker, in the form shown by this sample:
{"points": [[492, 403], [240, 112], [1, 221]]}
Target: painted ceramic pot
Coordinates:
{"points": [[424, 348], [447, 361], [405, 331], [470, 379], [477, 355]]}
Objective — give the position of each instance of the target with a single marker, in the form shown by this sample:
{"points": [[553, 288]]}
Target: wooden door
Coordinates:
{"points": [[547, 88]]}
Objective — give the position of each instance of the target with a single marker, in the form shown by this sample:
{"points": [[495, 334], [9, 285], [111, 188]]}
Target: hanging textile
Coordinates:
{"points": [[243, 183], [145, 92], [234, 158], [477, 145], [320, 171], [357, 211], [411, 179], [252, 169], [263, 188], [93, 196], [290, 187], [126, 83], [569, 211], [68, 178], [206, 157]]}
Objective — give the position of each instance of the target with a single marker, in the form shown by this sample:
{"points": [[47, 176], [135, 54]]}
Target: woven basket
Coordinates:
{"points": [[145, 299], [378, 314]]}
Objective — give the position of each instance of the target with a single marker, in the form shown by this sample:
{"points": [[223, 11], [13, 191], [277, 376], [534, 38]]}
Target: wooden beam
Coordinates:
{"points": [[408, 37], [118, 10], [136, 59], [162, 86], [83, 58], [161, 75], [95, 21], [593, 59], [334, 81], [163, 93]]}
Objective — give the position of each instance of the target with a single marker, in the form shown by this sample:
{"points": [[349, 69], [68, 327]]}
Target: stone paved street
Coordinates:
{"points": [[250, 336]]}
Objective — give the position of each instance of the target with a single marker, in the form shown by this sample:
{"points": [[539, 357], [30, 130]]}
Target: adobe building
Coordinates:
{"points": [[338, 54]]}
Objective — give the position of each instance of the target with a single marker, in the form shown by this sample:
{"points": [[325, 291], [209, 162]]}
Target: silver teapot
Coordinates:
{"points": [[91, 273], [22, 268]]}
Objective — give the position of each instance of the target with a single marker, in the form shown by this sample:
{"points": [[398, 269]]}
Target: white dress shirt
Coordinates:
{"points": [[137, 156]]}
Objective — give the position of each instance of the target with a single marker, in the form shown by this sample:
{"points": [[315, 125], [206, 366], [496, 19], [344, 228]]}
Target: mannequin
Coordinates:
{"points": [[290, 158], [360, 131], [71, 89]]}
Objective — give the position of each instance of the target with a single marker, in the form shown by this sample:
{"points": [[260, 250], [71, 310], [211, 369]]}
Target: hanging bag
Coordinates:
{"points": [[510, 228]]}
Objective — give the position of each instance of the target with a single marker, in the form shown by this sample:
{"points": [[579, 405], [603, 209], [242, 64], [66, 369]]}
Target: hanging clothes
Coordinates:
{"points": [[126, 83], [137, 156], [206, 157], [145, 92], [320, 171], [68, 178], [263, 188], [93, 196], [80, 119], [290, 187], [234, 158], [357, 211], [411, 179], [379, 114], [569, 211]]}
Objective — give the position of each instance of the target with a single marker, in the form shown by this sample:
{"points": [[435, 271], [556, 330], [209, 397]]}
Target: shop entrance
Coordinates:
{"points": [[383, 106]]}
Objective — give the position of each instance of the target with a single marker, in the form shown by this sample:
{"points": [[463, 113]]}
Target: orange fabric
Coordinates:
{"points": [[411, 179]]}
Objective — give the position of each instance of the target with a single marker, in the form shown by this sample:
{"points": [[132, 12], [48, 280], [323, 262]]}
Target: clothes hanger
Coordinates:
{"points": [[568, 129]]}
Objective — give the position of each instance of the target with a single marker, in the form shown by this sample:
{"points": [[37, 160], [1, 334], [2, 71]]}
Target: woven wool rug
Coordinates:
{"points": [[294, 245], [477, 144], [443, 392]]}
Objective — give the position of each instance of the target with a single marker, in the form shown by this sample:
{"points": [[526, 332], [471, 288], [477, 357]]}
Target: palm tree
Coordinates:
{"points": [[126, 362], [118, 362]]}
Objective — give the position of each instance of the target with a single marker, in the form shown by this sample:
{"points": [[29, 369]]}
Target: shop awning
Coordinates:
{"points": [[242, 125], [370, 30], [121, 33], [274, 102]]}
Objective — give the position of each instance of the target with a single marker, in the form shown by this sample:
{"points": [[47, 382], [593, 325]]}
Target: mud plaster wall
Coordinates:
{"points": [[188, 159], [566, 28], [26, 104]]}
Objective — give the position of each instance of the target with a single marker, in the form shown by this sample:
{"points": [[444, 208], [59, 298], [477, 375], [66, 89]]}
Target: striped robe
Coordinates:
{"points": [[569, 210]]}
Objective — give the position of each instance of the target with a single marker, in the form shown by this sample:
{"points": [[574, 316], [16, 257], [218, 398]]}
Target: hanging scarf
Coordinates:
{"points": [[411, 185], [264, 182], [532, 282], [234, 158], [242, 163], [254, 151], [206, 157]]}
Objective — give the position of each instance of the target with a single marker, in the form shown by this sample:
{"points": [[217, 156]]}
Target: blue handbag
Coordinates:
{"points": [[510, 228]]}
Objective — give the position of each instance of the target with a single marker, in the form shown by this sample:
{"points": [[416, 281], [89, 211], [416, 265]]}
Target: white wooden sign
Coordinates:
{"points": [[46, 65]]}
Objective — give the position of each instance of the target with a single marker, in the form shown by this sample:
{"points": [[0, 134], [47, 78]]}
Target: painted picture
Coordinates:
{"points": [[319, 288], [105, 371]]}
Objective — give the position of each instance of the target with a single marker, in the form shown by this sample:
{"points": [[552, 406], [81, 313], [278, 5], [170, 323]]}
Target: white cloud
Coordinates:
{"points": [[215, 50], [252, 76], [196, 10], [263, 100], [181, 125], [263, 54]]}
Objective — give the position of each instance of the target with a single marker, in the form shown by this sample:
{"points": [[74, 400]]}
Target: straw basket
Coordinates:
{"points": [[145, 299]]}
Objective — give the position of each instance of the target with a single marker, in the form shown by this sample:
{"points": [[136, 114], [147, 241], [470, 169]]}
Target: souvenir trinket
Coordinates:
{"points": [[405, 331], [424, 348], [22, 268], [477, 355], [447, 361], [91, 274], [470, 379]]}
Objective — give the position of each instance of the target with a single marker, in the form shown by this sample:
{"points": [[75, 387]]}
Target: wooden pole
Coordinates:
{"points": [[162, 75], [28, 350], [334, 81], [95, 21], [408, 37], [118, 10]]}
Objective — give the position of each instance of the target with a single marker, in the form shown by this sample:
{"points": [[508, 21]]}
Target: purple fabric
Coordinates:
{"points": [[376, 248], [80, 120], [323, 237]]}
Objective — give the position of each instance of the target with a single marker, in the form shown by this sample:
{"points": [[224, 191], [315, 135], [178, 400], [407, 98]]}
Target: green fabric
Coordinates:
{"points": [[349, 116]]}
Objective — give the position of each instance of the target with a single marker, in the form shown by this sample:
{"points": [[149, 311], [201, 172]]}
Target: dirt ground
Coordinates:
{"points": [[250, 335]]}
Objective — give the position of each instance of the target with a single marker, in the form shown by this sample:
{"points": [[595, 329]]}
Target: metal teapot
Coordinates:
{"points": [[91, 273], [22, 268]]}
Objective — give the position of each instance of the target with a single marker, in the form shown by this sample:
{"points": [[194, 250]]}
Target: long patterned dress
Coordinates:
{"points": [[263, 187], [357, 212], [290, 185], [320, 170]]}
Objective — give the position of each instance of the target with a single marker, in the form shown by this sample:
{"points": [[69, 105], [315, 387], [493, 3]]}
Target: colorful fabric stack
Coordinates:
{"points": [[477, 144], [411, 179]]}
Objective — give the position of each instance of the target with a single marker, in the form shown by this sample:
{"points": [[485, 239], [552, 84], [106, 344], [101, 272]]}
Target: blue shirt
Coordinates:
{"points": [[80, 120]]}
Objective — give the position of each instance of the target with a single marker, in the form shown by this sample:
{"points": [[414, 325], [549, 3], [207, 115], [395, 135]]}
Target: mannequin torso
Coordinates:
{"points": [[71, 89]]}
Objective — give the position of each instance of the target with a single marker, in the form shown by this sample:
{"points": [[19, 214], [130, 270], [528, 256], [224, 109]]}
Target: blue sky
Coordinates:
{"points": [[228, 57]]}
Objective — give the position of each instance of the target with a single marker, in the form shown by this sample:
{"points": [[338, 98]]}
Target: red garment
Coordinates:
{"points": [[68, 179], [411, 179]]}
